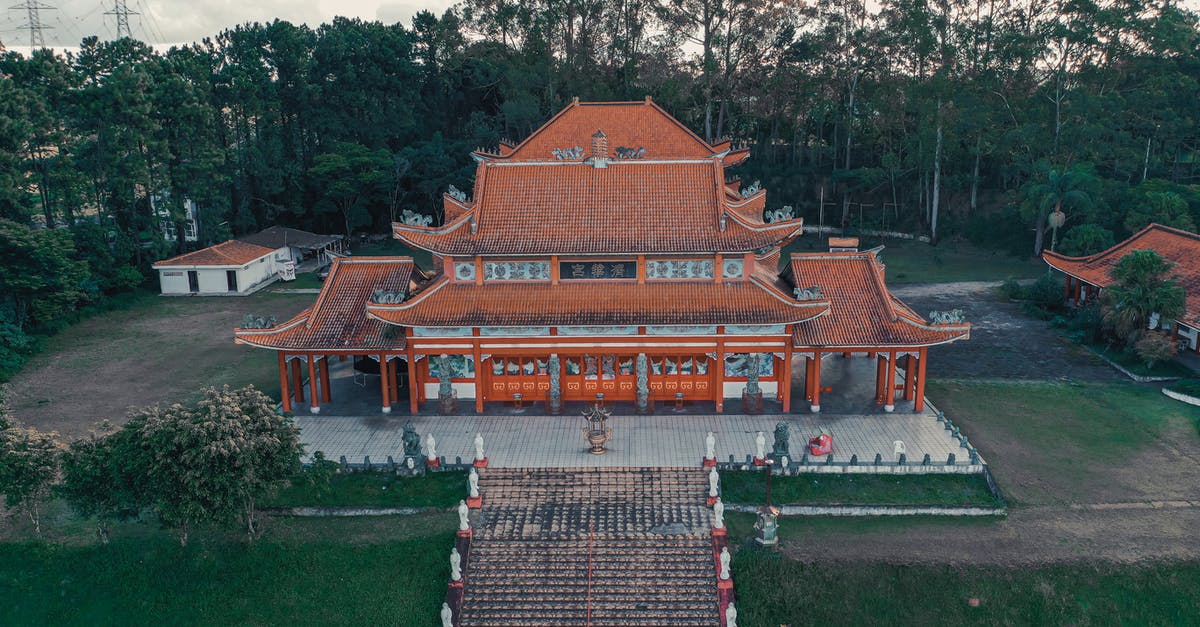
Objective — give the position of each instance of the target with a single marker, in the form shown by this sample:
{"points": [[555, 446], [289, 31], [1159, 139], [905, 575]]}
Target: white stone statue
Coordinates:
{"points": [[898, 447], [718, 514], [448, 616], [463, 523], [783, 463], [713, 478], [760, 446], [730, 615], [724, 564], [710, 446], [473, 484], [478, 447], [409, 463], [455, 565], [430, 447]]}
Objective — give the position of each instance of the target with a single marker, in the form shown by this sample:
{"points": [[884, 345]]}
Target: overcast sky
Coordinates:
{"points": [[185, 21]]}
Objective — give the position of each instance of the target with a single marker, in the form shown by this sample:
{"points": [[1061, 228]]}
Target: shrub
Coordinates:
{"points": [[1046, 292], [1154, 347], [1191, 387]]}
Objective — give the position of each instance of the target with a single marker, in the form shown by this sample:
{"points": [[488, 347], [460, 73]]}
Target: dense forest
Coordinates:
{"points": [[951, 118]]}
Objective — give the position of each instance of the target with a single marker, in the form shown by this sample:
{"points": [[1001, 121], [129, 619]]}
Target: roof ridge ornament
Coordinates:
{"points": [[456, 193], [808, 293], [568, 154], [954, 316], [782, 214], [413, 218], [387, 297], [251, 321], [751, 189]]}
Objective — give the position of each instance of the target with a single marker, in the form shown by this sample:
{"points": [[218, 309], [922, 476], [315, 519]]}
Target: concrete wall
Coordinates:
{"points": [[463, 390], [212, 280]]}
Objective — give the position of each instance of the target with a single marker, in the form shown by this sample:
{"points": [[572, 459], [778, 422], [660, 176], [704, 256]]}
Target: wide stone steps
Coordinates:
{"points": [[644, 532]]}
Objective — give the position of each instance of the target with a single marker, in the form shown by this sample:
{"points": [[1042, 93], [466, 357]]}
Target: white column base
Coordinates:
{"points": [[386, 410], [314, 409], [816, 409], [889, 408]]}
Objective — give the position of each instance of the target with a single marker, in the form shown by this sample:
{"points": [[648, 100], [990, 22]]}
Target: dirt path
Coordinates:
{"points": [[1037, 535], [1002, 339]]}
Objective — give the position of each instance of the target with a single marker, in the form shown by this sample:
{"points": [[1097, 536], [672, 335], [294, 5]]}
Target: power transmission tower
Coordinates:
{"points": [[33, 21], [121, 10]]}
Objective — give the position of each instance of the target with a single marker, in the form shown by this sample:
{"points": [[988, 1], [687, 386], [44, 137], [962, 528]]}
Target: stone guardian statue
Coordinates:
{"points": [[464, 523], [710, 446], [448, 616], [730, 615], [713, 478], [479, 447], [760, 445], [718, 514], [724, 576], [455, 565], [430, 447], [473, 484]]}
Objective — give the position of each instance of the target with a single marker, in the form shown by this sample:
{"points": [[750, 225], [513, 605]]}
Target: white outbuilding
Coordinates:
{"points": [[230, 268]]}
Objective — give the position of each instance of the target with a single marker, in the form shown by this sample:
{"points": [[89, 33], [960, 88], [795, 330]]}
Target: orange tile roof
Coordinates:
{"points": [[1180, 247], [338, 320], [863, 313], [630, 124], [627, 207], [585, 303], [231, 253]]}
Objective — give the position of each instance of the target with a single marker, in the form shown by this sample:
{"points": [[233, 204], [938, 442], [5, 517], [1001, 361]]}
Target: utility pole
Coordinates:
{"points": [[121, 10], [33, 21]]}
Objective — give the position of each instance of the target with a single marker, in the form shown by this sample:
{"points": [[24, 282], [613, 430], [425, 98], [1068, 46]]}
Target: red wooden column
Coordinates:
{"points": [[324, 364], [718, 371], [1067, 293], [284, 393], [385, 389], [476, 354], [393, 370], [816, 389], [315, 405], [298, 380], [910, 376], [785, 381], [889, 399], [919, 403], [808, 370], [880, 374]]}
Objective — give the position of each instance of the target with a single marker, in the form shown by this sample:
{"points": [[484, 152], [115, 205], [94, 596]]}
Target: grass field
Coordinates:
{"points": [[1072, 442], [910, 261], [375, 489], [750, 487], [774, 590], [1132, 363], [327, 571]]}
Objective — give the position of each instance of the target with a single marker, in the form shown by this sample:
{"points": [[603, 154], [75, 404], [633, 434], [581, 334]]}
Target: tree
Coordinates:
{"points": [[1165, 208], [212, 462], [1058, 190], [28, 468], [1144, 287], [346, 176], [1086, 239], [100, 480]]}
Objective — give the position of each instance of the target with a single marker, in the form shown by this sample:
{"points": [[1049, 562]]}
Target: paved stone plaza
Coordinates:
{"points": [[525, 441]]}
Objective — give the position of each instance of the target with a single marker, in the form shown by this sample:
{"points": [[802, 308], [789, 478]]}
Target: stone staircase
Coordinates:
{"points": [[646, 531]]}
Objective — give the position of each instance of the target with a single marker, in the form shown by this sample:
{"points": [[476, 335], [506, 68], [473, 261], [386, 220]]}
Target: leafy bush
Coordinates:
{"points": [[1154, 348]]}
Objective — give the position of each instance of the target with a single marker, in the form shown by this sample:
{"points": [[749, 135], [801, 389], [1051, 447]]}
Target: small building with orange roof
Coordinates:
{"points": [[606, 258], [230, 268], [1088, 276]]}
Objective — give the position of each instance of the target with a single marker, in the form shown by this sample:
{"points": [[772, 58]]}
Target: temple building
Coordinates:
{"points": [[607, 257], [1088, 276]]}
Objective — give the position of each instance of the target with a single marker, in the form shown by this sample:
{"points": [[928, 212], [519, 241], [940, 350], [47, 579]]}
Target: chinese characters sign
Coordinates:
{"points": [[571, 270]]}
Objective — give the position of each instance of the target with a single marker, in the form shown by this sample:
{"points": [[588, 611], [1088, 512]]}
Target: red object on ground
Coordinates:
{"points": [[821, 445]]}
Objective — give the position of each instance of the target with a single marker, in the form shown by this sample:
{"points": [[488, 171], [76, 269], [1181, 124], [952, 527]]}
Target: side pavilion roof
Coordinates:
{"points": [[338, 320], [863, 313], [1177, 246], [226, 254]]}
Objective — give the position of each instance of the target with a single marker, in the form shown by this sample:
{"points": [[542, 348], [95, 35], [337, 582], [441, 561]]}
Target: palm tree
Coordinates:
{"points": [[1144, 286], [1061, 188]]}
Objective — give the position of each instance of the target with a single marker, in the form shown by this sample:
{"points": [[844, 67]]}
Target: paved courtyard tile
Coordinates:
{"points": [[535, 441]]}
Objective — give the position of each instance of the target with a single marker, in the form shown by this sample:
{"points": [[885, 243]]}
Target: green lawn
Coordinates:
{"points": [[377, 570], [774, 590], [910, 261], [376, 489], [822, 489], [304, 281], [1132, 363]]}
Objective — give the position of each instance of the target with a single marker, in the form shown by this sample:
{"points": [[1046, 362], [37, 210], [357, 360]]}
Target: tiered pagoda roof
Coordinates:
{"points": [[338, 320], [863, 312], [603, 178], [448, 304], [1181, 248]]}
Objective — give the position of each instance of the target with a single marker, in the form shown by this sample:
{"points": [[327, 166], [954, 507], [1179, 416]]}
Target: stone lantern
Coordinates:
{"points": [[767, 527]]}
